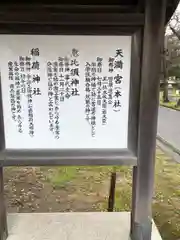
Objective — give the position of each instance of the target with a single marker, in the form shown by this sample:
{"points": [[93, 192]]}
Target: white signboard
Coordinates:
{"points": [[62, 92]]}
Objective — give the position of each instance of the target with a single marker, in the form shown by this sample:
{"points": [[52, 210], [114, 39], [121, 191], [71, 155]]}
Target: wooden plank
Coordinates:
{"points": [[51, 157], [58, 18], [3, 219], [149, 101], [134, 91], [22, 28], [68, 7]]}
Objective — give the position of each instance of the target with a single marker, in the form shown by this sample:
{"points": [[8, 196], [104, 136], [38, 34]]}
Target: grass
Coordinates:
{"points": [[62, 176], [171, 105], [166, 201], [166, 205], [174, 95]]}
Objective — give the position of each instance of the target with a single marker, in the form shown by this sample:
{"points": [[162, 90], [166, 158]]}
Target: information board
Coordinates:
{"points": [[65, 92]]}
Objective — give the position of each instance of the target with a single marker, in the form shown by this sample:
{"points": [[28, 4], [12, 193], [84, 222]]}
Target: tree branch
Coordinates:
{"points": [[177, 34]]}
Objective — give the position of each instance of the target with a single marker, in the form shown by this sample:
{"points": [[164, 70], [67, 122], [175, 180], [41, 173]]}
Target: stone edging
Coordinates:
{"points": [[176, 109], [174, 149]]}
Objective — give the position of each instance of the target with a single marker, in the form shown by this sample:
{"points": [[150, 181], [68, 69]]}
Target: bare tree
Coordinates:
{"points": [[174, 26], [171, 53], [164, 68]]}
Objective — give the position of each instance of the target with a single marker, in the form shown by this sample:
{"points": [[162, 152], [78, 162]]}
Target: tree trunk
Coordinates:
{"points": [[178, 103], [165, 92], [165, 74], [176, 33]]}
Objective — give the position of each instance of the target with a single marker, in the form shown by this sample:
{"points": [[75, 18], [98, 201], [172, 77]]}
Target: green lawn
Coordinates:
{"points": [[169, 105], [166, 205], [44, 189], [174, 95], [166, 202]]}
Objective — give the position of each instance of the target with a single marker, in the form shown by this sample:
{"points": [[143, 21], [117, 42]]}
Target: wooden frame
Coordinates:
{"points": [[147, 32], [86, 156], [143, 173], [3, 217]]}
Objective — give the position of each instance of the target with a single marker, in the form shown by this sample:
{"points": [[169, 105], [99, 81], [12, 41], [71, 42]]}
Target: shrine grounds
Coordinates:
{"points": [[64, 189]]}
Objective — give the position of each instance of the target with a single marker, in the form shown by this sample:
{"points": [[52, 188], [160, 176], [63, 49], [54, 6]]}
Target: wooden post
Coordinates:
{"points": [[143, 175], [112, 191], [3, 219]]}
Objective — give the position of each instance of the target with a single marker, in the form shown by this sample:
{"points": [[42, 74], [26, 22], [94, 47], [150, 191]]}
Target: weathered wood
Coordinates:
{"points": [[149, 100], [112, 192], [59, 18], [134, 91], [114, 6], [69, 157], [3, 219], [23, 28], [71, 8]]}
